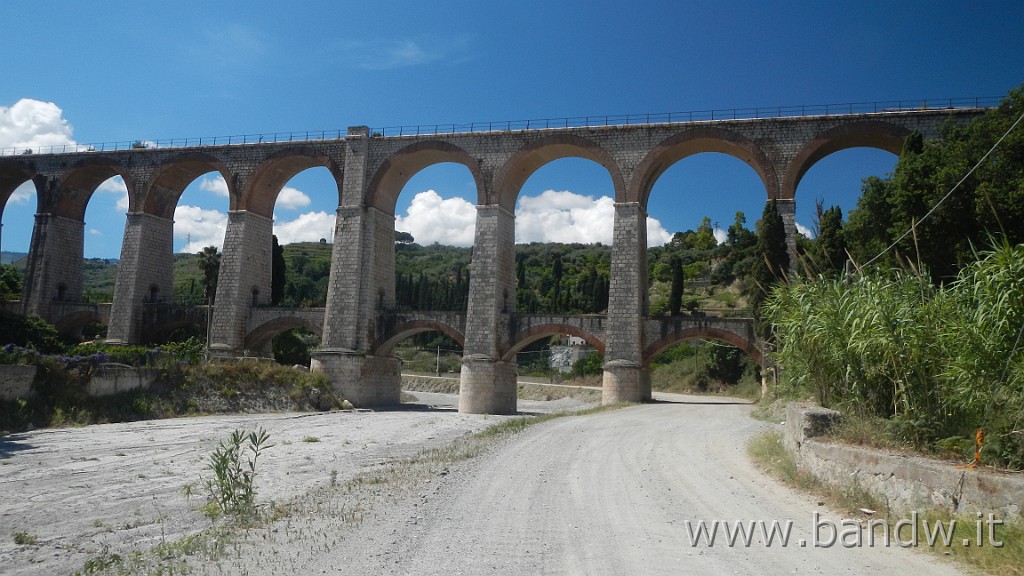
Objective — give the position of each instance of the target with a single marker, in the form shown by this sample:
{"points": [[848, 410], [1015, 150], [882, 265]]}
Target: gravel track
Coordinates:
{"points": [[607, 493]]}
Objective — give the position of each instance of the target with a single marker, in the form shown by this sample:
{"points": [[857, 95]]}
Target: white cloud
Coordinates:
{"points": [[805, 230], [22, 194], [656, 233], [116, 185], [387, 54], [308, 227], [565, 216], [214, 185], [95, 232], [200, 227], [430, 218], [33, 124], [721, 235], [291, 198]]}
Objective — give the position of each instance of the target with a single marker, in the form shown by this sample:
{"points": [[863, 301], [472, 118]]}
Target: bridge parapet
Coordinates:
{"points": [[394, 326], [527, 328], [662, 333]]}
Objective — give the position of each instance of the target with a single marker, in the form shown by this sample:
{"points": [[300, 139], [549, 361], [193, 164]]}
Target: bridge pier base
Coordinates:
{"points": [[365, 381], [625, 381], [487, 386]]}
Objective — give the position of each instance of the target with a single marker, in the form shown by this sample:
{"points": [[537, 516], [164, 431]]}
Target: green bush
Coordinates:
{"points": [[938, 363]]}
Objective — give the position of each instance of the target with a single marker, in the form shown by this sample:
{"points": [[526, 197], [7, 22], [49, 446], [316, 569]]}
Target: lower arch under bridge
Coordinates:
{"points": [[265, 323]]}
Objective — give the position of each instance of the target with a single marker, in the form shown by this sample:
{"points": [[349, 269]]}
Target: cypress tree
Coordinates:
{"points": [[771, 258], [675, 300], [277, 272]]}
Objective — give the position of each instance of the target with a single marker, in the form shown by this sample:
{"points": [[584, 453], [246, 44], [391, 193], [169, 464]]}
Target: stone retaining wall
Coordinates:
{"points": [[907, 483]]}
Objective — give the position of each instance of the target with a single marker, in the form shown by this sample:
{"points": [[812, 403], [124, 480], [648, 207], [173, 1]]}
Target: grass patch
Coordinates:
{"points": [[25, 539]]}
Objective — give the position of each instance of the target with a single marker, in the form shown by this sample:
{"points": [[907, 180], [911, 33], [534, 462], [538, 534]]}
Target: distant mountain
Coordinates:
{"points": [[11, 257]]}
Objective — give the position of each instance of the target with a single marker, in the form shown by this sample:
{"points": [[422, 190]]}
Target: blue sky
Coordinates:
{"points": [[122, 71]]}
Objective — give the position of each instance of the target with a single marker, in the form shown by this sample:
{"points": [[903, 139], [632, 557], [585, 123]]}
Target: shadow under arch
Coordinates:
{"points": [[531, 335], [692, 141], [388, 181], [523, 163], [14, 173], [171, 179], [703, 333], [413, 327], [259, 193], [859, 134], [72, 324], [261, 336]]}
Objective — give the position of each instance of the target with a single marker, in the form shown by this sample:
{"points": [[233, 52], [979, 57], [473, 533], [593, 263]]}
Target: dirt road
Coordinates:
{"points": [[620, 492]]}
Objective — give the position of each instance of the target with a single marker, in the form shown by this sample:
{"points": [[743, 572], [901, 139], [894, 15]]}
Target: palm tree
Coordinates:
{"points": [[209, 263]]}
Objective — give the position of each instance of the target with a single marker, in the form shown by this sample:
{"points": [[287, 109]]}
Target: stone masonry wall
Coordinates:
{"points": [[146, 261], [55, 263], [907, 483]]}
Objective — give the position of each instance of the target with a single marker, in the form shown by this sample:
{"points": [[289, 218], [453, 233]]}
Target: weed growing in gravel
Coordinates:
{"points": [[231, 489], [25, 539]]}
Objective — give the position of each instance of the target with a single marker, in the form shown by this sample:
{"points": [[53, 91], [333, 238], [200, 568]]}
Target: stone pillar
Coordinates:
{"points": [[361, 285], [144, 274], [625, 377], [54, 270], [787, 210], [488, 383], [243, 281]]}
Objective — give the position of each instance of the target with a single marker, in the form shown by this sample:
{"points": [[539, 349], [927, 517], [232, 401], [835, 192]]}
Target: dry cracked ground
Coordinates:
{"points": [[615, 492]]}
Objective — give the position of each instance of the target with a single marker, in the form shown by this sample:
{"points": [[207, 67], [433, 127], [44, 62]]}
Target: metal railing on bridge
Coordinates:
{"points": [[530, 124]]}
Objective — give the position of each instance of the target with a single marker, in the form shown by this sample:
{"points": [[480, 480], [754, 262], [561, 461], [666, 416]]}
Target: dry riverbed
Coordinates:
{"points": [[606, 493]]}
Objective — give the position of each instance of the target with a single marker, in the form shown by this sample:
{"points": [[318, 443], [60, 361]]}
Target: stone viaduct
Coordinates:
{"points": [[360, 325]]}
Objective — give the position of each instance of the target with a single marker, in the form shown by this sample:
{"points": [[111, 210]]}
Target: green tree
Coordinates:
{"points": [[771, 259], [974, 207], [675, 300], [277, 272], [10, 282], [403, 237], [705, 236], [725, 363], [830, 245], [209, 264]]}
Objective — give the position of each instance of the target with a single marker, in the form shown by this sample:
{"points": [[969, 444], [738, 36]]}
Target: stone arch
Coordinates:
{"points": [[259, 195], [72, 324], [160, 331], [527, 160], [261, 336], [413, 327], [703, 333], [170, 180], [534, 333], [78, 183], [387, 182], [695, 141], [854, 134], [14, 173]]}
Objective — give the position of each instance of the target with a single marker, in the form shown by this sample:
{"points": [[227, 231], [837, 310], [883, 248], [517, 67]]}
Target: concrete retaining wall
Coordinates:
{"points": [[111, 379], [907, 483], [16, 381]]}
